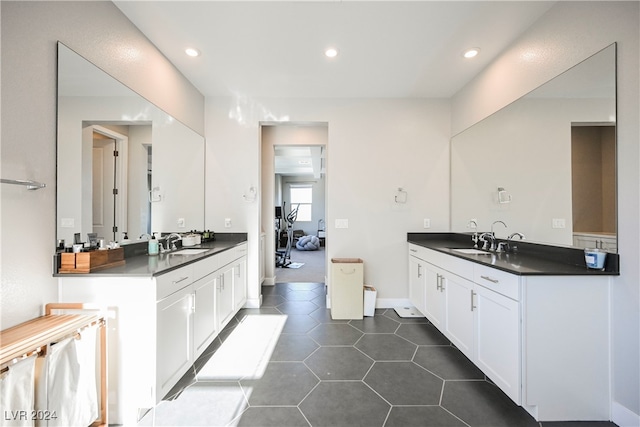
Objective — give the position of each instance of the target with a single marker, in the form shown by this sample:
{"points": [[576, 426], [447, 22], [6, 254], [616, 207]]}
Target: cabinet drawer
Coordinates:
{"points": [[205, 267], [418, 251], [240, 250], [446, 262], [173, 281], [497, 280], [231, 254]]}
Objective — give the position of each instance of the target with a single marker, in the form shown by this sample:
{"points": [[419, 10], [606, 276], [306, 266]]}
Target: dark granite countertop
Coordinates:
{"points": [[142, 265], [530, 259]]}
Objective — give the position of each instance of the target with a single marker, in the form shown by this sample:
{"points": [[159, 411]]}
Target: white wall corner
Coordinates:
{"points": [[623, 416]]}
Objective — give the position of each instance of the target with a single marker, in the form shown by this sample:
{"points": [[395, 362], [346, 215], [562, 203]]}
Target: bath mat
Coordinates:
{"points": [[295, 265]]}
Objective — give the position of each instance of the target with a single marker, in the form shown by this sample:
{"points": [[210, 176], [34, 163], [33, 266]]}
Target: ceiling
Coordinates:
{"points": [[387, 49], [296, 160]]}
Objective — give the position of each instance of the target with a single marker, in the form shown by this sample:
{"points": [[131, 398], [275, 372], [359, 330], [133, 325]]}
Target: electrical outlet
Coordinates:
{"points": [[181, 223], [227, 223], [426, 223], [558, 223], [342, 223], [67, 222]]}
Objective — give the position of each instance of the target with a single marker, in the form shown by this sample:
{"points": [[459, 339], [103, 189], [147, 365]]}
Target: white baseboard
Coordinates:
{"points": [[253, 302], [269, 281], [623, 416], [392, 302], [383, 302]]}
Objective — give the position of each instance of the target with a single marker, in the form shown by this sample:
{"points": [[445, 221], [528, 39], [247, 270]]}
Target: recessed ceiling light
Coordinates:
{"points": [[192, 52], [331, 52], [470, 53]]}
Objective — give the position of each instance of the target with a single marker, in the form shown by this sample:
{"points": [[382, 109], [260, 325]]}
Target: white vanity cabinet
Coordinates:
{"points": [[417, 283], [231, 283], [159, 325], [174, 329], [205, 325], [458, 323], [496, 310], [426, 290], [541, 339]]}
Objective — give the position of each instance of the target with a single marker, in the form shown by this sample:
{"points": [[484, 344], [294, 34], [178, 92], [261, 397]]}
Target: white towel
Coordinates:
{"points": [[66, 386], [16, 394]]}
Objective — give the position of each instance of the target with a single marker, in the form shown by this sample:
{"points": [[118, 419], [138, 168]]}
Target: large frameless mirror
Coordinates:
{"points": [[545, 165], [123, 165]]}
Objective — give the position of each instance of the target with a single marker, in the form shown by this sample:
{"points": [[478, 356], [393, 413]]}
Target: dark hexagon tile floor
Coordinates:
{"points": [[379, 371]]}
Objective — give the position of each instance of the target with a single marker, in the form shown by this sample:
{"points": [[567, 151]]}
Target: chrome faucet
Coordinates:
{"points": [[497, 222], [516, 234], [171, 245], [508, 246], [474, 238], [483, 238]]}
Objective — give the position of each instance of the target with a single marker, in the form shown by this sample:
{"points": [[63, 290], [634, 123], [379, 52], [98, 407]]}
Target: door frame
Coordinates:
{"points": [[267, 192], [121, 177]]}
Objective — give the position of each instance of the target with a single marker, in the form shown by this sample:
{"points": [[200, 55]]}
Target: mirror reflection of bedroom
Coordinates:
{"points": [[299, 201]]}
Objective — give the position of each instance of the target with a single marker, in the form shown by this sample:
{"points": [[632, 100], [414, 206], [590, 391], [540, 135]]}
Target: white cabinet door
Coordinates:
{"points": [[263, 252], [205, 327], [434, 295], [497, 320], [417, 283], [224, 304], [174, 349], [240, 283], [459, 327]]}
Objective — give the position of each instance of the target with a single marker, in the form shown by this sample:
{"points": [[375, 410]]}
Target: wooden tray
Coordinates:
{"points": [[87, 262]]}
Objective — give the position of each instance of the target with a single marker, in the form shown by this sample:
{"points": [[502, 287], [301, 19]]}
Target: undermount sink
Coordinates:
{"points": [[189, 251], [471, 251]]}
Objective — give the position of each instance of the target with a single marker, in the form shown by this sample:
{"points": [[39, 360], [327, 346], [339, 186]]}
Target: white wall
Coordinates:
{"points": [[374, 147], [30, 31], [567, 34]]}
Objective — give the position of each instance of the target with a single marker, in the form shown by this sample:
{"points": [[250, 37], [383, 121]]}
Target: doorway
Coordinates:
{"points": [[294, 202], [108, 180]]}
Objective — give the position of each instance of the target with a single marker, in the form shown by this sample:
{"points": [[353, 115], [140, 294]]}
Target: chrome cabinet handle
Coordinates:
{"points": [[419, 272], [492, 280], [472, 304], [182, 279], [413, 250]]}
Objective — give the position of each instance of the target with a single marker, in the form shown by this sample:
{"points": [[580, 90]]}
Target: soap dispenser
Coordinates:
{"points": [[153, 246]]}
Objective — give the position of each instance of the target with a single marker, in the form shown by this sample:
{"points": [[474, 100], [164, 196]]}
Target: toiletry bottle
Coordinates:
{"points": [[153, 246]]}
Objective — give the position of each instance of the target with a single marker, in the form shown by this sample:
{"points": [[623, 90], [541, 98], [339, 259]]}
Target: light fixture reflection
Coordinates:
{"points": [[192, 52], [331, 52], [471, 53]]}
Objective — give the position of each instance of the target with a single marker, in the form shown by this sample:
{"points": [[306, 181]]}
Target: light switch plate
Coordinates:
{"points": [[227, 223], [558, 223], [342, 223], [181, 223]]}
